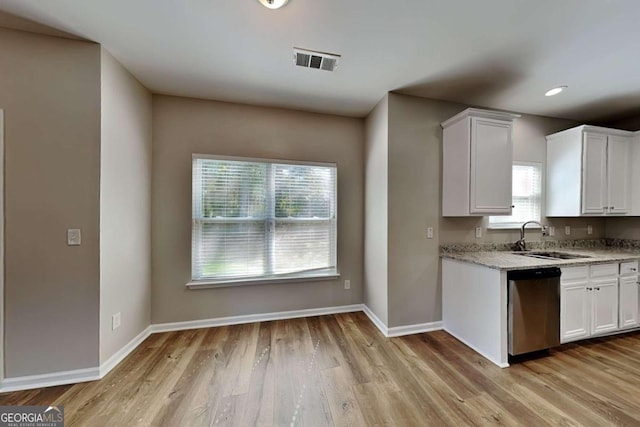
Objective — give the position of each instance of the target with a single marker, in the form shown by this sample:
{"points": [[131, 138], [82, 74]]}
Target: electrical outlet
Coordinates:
{"points": [[347, 284], [478, 232], [115, 321], [552, 230], [589, 229], [74, 237], [430, 233], [567, 230]]}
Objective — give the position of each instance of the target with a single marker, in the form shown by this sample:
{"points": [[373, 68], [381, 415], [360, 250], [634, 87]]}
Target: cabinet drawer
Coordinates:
{"points": [[574, 274], [604, 270], [627, 268]]}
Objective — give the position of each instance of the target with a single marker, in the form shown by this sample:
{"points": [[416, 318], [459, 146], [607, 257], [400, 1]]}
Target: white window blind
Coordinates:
{"points": [[262, 219], [527, 195]]}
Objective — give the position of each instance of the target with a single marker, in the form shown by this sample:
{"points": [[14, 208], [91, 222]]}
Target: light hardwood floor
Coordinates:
{"points": [[339, 370]]}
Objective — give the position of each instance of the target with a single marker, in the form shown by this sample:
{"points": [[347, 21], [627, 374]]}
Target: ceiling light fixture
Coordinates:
{"points": [[273, 4], [555, 90]]}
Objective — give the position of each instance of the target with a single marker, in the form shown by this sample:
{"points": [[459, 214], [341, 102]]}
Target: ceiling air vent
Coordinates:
{"points": [[318, 60]]}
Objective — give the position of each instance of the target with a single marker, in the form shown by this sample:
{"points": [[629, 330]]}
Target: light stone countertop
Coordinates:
{"points": [[506, 260]]}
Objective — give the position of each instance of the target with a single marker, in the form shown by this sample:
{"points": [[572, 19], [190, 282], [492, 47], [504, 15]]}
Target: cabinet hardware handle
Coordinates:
{"points": [[632, 269], [597, 289], [590, 289]]}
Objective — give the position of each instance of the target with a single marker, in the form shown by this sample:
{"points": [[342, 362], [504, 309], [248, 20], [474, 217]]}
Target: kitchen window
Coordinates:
{"points": [[257, 220], [527, 196]]}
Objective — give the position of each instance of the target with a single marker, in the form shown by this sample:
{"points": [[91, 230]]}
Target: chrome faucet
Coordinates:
{"points": [[520, 245]]}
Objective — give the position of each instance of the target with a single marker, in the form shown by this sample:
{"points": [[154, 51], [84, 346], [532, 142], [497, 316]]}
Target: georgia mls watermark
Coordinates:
{"points": [[32, 416]]}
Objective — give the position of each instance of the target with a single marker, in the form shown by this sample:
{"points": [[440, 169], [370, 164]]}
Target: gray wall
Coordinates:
{"points": [[10, 21], [125, 206], [414, 188], [50, 91], [184, 126], [623, 228], [414, 205], [630, 123], [376, 159]]}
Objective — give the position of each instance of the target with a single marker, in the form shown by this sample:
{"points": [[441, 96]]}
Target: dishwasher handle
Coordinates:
{"points": [[534, 274]]}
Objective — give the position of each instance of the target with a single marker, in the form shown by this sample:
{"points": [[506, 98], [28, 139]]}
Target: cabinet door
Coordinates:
{"points": [[618, 158], [604, 311], [629, 301], [594, 156], [491, 166], [574, 312]]}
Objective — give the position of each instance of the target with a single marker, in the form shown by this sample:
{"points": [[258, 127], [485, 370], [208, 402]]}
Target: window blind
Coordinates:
{"points": [[262, 219], [527, 195]]}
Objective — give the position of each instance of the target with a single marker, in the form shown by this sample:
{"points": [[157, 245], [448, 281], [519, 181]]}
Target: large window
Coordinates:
{"points": [[261, 219], [527, 195]]}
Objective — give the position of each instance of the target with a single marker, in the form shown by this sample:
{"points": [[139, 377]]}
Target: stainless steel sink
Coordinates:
{"points": [[551, 255]]}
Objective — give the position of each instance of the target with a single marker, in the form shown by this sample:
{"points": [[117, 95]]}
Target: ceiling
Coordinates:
{"points": [[500, 54]]}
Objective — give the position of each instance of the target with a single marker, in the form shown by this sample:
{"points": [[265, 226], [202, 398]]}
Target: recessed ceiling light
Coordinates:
{"points": [[555, 90], [273, 4]]}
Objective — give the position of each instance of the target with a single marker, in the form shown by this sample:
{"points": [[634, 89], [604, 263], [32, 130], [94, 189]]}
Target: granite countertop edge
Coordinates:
{"points": [[508, 261]]}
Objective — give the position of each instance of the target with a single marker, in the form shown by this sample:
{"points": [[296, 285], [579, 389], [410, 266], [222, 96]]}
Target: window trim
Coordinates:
{"points": [[226, 283], [196, 156], [315, 275], [512, 226], [518, 225]]}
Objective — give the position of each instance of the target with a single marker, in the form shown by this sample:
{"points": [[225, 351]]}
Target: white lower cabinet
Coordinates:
{"points": [[629, 302], [589, 301], [574, 311], [604, 306]]}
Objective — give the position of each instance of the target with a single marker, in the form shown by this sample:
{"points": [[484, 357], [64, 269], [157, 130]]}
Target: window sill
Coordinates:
{"points": [[208, 284], [511, 226]]}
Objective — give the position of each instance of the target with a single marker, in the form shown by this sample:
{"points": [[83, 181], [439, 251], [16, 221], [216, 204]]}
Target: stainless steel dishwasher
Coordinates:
{"points": [[533, 310]]}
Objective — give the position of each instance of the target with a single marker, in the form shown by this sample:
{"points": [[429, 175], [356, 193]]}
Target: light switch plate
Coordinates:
{"points": [[478, 232], [430, 233], [567, 230], [589, 229], [74, 237], [552, 230], [347, 284]]}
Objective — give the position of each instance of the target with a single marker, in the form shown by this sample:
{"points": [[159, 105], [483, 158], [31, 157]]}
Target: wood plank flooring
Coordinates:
{"points": [[339, 370]]}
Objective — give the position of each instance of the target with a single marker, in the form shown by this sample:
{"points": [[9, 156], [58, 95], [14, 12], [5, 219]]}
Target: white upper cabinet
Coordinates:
{"points": [[618, 174], [589, 173], [635, 174], [477, 163], [594, 173]]}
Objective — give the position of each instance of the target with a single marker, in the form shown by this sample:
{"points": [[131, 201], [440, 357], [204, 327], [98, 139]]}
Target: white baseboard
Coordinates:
{"points": [[482, 353], [119, 356], [399, 331], [252, 318], [419, 328], [47, 380], [96, 373], [76, 376], [375, 320]]}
